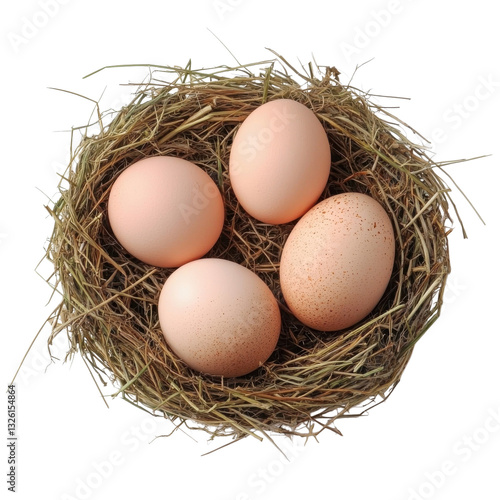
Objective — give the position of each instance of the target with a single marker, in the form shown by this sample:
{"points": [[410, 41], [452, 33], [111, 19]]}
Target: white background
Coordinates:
{"points": [[436, 436]]}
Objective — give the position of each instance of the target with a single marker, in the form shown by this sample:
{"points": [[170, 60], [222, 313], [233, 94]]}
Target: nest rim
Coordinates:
{"points": [[313, 378]]}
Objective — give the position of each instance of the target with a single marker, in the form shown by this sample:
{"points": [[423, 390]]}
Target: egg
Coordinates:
{"points": [[219, 317], [337, 261], [165, 211], [279, 161]]}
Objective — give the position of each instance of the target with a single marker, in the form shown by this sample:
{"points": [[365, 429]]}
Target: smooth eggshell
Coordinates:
{"points": [[219, 317], [337, 261], [165, 211], [279, 161]]}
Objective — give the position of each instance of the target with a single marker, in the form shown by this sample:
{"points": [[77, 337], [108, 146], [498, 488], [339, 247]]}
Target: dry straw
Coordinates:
{"points": [[109, 299]]}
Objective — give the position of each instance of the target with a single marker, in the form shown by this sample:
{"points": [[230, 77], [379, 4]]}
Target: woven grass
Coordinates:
{"points": [[109, 299]]}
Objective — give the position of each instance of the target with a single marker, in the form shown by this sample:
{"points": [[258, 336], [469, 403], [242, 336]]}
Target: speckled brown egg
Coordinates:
{"points": [[337, 261], [219, 317]]}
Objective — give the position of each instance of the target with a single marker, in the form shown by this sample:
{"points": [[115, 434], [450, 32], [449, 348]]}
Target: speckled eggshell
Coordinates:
{"points": [[337, 261], [219, 317], [279, 161]]}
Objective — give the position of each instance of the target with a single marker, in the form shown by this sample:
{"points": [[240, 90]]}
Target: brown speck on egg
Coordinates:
{"points": [[352, 270]]}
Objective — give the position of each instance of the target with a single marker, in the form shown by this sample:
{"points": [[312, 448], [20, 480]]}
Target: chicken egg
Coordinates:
{"points": [[337, 261], [219, 317], [279, 161], [165, 211]]}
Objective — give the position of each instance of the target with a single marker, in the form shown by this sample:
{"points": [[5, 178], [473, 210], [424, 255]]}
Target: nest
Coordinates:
{"points": [[109, 299]]}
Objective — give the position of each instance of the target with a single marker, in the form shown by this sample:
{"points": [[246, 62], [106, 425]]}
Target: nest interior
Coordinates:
{"points": [[109, 299]]}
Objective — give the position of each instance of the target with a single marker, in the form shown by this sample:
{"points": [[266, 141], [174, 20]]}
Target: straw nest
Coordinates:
{"points": [[109, 299]]}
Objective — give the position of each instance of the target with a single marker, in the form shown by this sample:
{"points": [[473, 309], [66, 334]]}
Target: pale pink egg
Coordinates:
{"points": [[279, 161], [337, 261], [165, 211], [219, 317]]}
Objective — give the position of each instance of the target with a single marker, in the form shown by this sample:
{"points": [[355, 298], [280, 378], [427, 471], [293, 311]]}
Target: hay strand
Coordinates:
{"points": [[108, 306]]}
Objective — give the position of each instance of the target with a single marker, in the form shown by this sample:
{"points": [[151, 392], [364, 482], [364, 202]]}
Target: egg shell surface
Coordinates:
{"points": [[337, 261], [279, 161], [219, 317], [165, 211]]}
